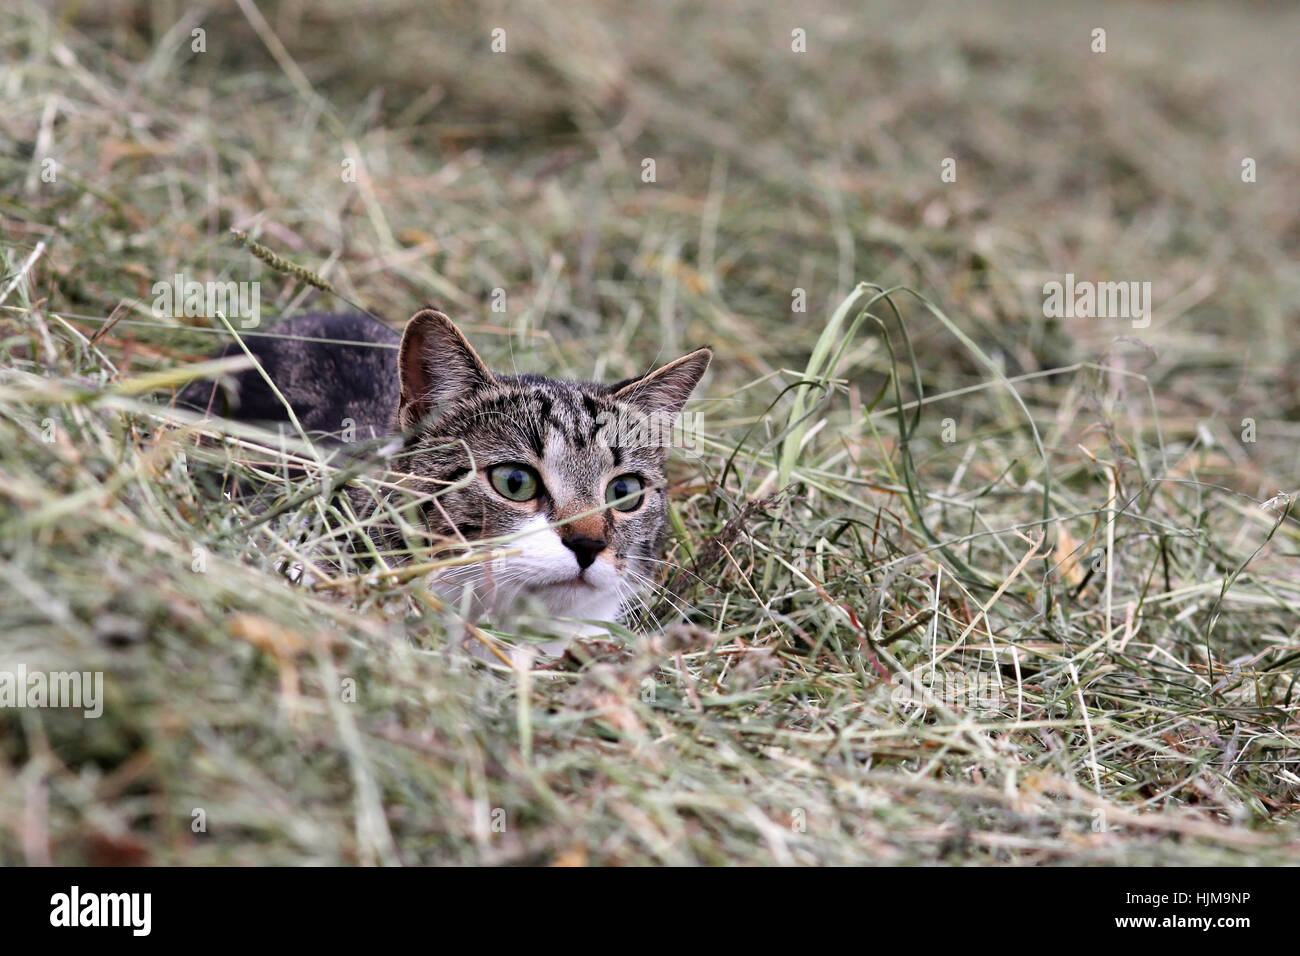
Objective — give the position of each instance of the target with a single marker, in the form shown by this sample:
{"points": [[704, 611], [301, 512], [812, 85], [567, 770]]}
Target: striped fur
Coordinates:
{"points": [[459, 420]]}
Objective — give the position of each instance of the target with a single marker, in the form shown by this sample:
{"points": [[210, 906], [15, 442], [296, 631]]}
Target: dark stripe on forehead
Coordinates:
{"points": [[536, 440], [587, 420], [550, 416], [543, 406], [580, 413]]}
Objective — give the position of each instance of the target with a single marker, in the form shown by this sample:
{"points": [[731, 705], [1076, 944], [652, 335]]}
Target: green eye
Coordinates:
{"points": [[515, 482], [622, 487]]}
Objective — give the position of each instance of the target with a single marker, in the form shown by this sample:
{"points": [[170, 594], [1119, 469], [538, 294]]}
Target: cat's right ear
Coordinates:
{"points": [[436, 366]]}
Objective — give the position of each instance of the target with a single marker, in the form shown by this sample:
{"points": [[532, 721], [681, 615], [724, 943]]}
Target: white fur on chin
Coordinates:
{"points": [[544, 570]]}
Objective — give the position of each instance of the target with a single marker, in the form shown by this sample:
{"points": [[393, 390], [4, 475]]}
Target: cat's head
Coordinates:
{"points": [[573, 470]]}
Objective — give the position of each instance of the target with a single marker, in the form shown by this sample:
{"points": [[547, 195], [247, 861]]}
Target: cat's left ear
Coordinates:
{"points": [[436, 366], [666, 389]]}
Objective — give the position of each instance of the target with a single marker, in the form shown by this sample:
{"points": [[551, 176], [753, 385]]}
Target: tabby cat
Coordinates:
{"points": [[552, 465]]}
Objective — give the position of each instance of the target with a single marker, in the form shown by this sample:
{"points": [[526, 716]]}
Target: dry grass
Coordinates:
{"points": [[1061, 513]]}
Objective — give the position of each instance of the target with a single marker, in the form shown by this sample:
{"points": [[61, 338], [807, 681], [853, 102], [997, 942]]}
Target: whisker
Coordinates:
{"points": [[679, 604]]}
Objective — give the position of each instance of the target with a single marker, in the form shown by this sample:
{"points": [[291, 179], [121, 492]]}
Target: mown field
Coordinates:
{"points": [[1080, 533]]}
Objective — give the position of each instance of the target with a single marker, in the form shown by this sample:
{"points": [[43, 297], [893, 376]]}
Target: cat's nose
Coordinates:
{"points": [[584, 549]]}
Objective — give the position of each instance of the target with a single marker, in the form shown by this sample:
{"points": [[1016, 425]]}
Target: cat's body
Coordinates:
{"points": [[326, 379], [547, 465]]}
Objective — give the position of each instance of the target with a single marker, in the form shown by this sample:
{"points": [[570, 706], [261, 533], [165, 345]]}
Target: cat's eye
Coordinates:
{"points": [[627, 487], [515, 482]]}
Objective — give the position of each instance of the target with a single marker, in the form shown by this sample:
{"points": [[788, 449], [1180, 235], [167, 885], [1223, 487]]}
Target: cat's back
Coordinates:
{"points": [[336, 370]]}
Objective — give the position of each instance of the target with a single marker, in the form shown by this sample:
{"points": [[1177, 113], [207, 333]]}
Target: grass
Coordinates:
{"points": [[919, 479]]}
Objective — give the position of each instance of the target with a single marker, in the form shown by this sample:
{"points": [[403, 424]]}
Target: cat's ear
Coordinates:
{"points": [[436, 366], [666, 389]]}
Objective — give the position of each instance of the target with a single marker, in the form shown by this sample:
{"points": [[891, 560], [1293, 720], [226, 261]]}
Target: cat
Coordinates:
{"points": [[558, 468]]}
